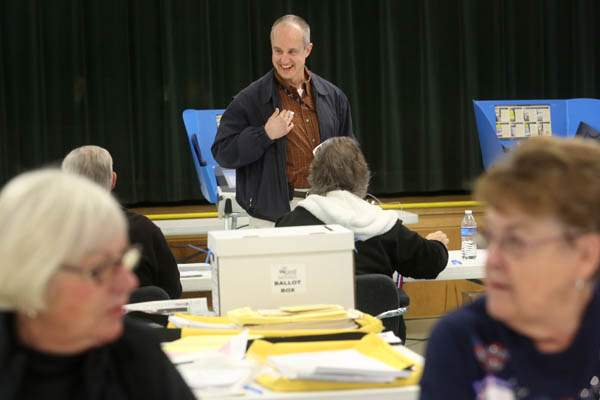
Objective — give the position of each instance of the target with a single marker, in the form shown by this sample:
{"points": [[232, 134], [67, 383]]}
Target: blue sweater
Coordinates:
{"points": [[468, 346]]}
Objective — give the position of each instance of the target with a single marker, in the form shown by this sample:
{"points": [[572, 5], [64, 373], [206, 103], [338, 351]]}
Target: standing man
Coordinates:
{"points": [[270, 128], [157, 267]]}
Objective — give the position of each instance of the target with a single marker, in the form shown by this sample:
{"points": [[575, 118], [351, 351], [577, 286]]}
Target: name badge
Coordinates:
{"points": [[492, 388]]}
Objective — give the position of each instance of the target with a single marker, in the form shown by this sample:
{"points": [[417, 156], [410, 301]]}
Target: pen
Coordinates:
{"points": [[253, 389], [392, 313], [400, 281], [170, 310]]}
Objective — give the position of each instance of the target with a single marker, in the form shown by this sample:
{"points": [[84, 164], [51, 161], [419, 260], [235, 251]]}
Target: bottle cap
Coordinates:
{"points": [[228, 208], [468, 212]]}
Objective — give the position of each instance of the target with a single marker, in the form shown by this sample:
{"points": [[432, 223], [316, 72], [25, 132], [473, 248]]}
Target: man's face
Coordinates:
{"points": [[289, 53]]}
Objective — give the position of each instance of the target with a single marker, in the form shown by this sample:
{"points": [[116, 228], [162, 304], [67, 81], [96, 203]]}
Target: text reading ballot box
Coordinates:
{"points": [[275, 267]]}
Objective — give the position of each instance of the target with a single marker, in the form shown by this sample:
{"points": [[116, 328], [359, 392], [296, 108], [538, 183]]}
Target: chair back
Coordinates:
{"points": [[377, 293], [148, 293]]}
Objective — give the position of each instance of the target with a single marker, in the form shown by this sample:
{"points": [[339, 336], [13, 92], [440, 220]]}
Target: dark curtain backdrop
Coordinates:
{"points": [[119, 73]]}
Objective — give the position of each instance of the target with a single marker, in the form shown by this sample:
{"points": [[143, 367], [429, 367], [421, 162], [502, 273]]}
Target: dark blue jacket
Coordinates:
{"points": [[242, 143]]}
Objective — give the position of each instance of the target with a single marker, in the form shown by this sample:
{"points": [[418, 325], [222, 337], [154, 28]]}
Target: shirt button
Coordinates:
{"points": [[307, 120]]}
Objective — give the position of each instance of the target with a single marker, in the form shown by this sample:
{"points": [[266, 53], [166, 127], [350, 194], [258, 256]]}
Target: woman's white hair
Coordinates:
{"points": [[50, 218]]}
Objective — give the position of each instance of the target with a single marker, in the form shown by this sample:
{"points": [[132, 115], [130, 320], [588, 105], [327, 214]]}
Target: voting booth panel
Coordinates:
{"points": [[275, 267], [201, 128], [502, 124], [217, 184]]}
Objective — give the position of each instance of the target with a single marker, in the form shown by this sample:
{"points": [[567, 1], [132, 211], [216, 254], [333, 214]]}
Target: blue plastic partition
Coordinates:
{"points": [[565, 116], [201, 127]]}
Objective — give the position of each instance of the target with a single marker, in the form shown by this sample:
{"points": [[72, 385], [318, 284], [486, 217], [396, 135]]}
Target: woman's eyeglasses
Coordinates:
{"points": [[515, 246], [105, 271]]}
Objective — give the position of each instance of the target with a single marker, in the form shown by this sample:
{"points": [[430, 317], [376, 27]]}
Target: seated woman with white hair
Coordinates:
{"points": [[536, 333], [339, 178], [65, 274]]}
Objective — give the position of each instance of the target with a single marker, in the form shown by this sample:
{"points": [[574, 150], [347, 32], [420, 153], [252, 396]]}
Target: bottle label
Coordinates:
{"points": [[470, 231]]}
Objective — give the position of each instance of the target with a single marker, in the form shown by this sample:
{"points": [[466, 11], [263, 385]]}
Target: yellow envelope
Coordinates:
{"points": [[370, 345]]}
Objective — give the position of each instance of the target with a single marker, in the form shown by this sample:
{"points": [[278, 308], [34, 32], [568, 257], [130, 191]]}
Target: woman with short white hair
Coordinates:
{"points": [[65, 274]]}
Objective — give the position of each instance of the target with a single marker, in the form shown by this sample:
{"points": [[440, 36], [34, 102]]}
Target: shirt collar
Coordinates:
{"points": [[286, 86]]}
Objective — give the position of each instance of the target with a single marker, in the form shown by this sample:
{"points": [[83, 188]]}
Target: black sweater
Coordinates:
{"points": [[157, 266], [132, 367]]}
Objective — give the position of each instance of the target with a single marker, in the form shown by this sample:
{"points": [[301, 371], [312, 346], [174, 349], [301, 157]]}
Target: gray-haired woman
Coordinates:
{"points": [[339, 178], [65, 274]]}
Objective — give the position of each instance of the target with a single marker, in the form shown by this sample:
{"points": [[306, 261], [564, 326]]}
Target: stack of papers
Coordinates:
{"points": [[191, 274], [315, 316], [210, 323], [217, 372], [333, 365], [347, 365], [196, 306], [285, 321]]}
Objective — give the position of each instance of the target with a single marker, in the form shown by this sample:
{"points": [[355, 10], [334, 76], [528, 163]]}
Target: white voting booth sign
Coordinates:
{"points": [[274, 267]]}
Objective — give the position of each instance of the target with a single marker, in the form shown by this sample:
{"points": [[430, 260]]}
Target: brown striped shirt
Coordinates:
{"points": [[305, 136]]}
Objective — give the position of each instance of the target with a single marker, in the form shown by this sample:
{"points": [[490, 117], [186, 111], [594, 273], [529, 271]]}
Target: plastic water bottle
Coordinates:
{"points": [[468, 231]]}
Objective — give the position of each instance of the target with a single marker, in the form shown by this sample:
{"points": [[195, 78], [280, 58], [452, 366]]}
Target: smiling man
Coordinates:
{"points": [[271, 127]]}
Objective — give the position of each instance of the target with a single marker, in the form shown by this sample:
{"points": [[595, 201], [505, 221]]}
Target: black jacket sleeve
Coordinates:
{"points": [[238, 143], [406, 251], [346, 123], [413, 255]]}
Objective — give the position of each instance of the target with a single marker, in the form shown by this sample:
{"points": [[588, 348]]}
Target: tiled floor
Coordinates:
{"points": [[417, 333]]}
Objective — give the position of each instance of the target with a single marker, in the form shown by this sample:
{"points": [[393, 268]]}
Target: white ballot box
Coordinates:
{"points": [[274, 267]]}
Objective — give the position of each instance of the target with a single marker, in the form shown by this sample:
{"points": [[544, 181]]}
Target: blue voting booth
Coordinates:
{"points": [[502, 124], [201, 127]]}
